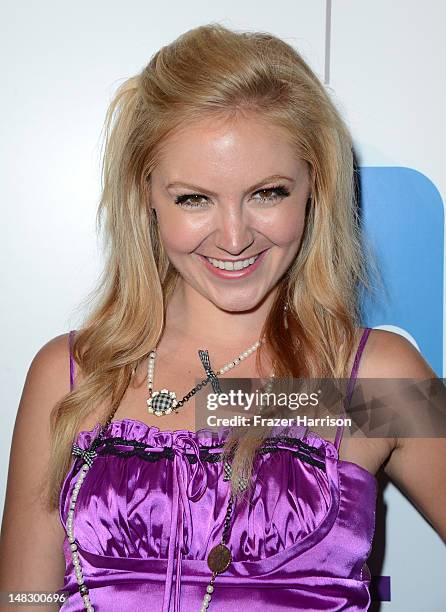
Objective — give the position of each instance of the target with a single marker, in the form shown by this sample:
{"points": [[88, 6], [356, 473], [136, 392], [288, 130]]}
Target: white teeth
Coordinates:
{"points": [[230, 265]]}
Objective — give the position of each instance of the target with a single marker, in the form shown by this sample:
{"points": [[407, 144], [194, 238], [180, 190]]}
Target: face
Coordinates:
{"points": [[230, 203]]}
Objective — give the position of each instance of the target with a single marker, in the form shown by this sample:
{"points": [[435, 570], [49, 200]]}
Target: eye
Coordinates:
{"points": [[188, 201], [271, 194], [197, 200]]}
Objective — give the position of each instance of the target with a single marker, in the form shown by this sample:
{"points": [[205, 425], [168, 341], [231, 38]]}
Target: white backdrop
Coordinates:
{"points": [[61, 62]]}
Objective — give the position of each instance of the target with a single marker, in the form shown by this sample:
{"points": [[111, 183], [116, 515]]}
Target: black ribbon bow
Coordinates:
{"points": [[204, 357], [87, 455]]}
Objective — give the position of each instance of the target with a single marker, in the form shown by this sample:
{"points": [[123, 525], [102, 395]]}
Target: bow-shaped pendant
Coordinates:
{"points": [[204, 357], [86, 454]]}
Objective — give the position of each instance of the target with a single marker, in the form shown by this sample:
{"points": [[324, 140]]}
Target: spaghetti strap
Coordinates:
{"points": [[70, 348], [351, 383]]}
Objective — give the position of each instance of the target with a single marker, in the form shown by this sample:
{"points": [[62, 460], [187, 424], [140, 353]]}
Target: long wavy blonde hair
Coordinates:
{"points": [[213, 71]]}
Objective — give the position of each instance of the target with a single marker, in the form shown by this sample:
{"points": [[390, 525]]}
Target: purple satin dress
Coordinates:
{"points": [[146, 519]]}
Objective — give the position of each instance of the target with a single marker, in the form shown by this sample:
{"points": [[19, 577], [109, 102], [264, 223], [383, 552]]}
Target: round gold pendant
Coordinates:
{"points": [[219, 558]]}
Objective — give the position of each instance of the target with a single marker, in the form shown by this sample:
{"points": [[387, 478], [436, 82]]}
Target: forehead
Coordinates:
{"points": [[222, 147]]}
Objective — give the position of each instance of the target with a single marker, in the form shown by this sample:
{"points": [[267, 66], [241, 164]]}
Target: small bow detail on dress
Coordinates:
{"points": [[242, 483], [86, 454]]}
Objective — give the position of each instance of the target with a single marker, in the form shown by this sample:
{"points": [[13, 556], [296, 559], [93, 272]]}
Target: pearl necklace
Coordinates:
{"points": [[165, 402]]}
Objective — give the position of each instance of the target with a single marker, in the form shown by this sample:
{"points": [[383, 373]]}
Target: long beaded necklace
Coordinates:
{"points": [[160, 403]]}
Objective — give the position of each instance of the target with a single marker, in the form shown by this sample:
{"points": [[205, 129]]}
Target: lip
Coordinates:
{"points": [[233, 274]]}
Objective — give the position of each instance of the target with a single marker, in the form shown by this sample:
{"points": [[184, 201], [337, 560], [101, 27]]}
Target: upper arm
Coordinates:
{"points": [[417, 465], [31, 553]]}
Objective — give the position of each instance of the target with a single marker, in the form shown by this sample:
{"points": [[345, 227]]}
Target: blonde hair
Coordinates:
{"points": [[232, 72]]}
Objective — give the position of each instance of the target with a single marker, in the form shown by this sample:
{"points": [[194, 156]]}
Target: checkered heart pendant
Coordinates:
{"points": [[162, 402]]}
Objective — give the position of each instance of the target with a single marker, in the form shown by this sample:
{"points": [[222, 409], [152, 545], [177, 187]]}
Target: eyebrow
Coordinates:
{"points": [[268, 179]]}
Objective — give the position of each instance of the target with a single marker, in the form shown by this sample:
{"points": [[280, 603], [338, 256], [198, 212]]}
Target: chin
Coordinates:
{"points": [[240, 305], [234, 308]]}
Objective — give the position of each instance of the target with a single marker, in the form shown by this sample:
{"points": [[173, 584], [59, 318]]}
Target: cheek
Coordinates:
{"points": [[286, 229], [181, 234]]}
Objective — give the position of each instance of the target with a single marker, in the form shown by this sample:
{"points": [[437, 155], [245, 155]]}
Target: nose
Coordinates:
{"points": [[234, 232]]}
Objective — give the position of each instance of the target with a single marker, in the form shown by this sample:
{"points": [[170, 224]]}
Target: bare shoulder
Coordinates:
{"points": [[54, 358], [415, 464], [47, 381], [29, 563], [390, 355]]}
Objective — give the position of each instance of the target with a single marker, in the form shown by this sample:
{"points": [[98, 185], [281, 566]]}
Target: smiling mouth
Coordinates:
{"points": [[239, 264]]}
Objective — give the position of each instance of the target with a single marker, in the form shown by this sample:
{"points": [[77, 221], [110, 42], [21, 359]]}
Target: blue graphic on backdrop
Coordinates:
{"points": [[403, 220]]}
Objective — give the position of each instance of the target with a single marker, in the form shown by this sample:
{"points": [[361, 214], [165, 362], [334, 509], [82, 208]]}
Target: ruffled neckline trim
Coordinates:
{"points": [[132, 429]]}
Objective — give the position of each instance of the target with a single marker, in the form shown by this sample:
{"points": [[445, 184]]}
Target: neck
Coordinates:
{"points": [[192, 317]]}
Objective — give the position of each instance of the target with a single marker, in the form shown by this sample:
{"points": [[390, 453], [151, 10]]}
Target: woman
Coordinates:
{"points": [[229, 213]]}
